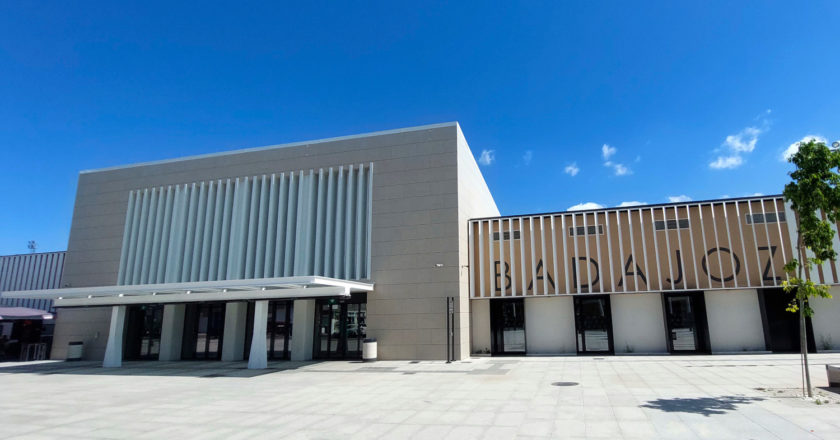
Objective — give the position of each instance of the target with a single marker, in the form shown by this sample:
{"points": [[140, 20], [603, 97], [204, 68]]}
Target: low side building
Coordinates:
{"points": [[698, 277], [26, 324]]}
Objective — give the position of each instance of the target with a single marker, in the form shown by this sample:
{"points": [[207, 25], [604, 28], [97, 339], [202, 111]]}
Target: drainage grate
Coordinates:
{"points": [[565, 384]]}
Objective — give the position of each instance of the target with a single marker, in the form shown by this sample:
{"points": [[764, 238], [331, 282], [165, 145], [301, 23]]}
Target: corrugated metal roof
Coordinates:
{"points": [[38, 271]]}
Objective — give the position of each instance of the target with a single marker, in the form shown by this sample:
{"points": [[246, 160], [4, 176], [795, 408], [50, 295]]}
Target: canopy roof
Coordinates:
{"points": [[13, 313], [227, 290]]}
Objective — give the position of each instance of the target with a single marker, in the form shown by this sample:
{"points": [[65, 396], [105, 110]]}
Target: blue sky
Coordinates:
{"points": [[638, 98]]}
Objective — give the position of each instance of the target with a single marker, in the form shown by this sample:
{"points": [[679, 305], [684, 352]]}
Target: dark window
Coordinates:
{"points": [[590, 230], [672, 224], [770, 217], [506, 235]]}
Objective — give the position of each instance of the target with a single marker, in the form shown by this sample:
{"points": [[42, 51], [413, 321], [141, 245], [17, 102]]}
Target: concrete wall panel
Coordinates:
{"points": [[550, 325], [825, 322], [638, 323], [734, 321], [89, 325], [480, 325]]}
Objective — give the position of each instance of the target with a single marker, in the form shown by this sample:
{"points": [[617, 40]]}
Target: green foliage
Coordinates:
{"points": [[815, 188], [804, 290]]}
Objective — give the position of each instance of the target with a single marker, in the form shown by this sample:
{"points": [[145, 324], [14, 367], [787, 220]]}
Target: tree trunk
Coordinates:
{"points": [[803, 347], [803, 329]]}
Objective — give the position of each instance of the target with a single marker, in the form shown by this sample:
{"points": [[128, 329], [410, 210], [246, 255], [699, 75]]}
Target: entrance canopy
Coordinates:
{"points": [[227, 290], [18, 313]]}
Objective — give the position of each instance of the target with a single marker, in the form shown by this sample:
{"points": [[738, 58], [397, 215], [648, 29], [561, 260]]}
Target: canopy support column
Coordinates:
{"points": [[258, 359], [114, 347]]}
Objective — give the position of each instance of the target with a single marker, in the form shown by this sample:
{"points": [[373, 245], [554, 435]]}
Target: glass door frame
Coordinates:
{"points": [[577, 300], [497, 326], [192, 322], [271, 330], [326, 308], [697, 300], [136, 331]]}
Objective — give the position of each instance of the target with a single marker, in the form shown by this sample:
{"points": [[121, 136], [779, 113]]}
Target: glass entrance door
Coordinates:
{"points": [[507, 324], [279, 329], [593, 324], [685, 314], [340, 328], [204, 325], [142, 332]]}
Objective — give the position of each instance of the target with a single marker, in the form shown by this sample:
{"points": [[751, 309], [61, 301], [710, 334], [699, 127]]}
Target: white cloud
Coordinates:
{"points": [[679, 198], [744, 141], [755, 194], [722, 162], [527, 157], [618, 168], [487, 157], [607, 151], [631, 203], [621, 170], [794, 147], [587, 205], [572, 169], [731, 152]]}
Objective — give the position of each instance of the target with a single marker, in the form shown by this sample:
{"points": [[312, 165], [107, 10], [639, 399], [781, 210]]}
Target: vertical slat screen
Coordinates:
{"points": [[315, 222], [721, 244]]}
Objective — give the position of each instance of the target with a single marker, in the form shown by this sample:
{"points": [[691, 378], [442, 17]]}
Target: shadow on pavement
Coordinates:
{"points": [[835, 390], [201, 369], [706, 406]]}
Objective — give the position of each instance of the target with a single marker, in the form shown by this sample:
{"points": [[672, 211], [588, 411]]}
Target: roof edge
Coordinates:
{"points": [[634, 207], [275, 146]]}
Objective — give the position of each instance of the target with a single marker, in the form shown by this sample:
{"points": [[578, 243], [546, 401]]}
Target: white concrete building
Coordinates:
{"points": [[301, 251]]}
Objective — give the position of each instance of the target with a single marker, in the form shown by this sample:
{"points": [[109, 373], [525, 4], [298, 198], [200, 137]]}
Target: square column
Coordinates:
{"points": [[114, 347], [258, 358], [233, 344], [172, 332], [303, 329]]}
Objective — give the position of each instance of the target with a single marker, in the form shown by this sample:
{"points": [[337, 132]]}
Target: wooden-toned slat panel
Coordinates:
{"points": [[677, 247]]}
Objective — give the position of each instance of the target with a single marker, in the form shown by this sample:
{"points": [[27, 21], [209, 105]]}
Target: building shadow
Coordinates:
{"points": [[835, 390], [200, 369], [706, 406]]}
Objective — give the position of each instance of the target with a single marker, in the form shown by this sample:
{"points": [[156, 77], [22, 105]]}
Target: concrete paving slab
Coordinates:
{"points": [[686, 397]]}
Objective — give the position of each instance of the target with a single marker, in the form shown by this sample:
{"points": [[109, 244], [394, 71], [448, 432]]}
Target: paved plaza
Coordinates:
{"points": [[685, 397]]}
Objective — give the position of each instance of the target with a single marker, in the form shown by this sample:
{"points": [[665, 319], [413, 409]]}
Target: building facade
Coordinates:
{"points": [[315, 244], [698, 277], [302, 251]]}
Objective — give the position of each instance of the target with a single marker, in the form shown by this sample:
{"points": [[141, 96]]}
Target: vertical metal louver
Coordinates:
{"points": [[31, 272], [287, 224]]}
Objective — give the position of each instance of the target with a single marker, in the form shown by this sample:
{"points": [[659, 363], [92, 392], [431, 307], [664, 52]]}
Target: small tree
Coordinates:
{"points": [[815, 188]]}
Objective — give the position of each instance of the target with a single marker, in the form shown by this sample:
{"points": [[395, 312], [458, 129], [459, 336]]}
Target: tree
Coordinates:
{"points": [[814, 191]]}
